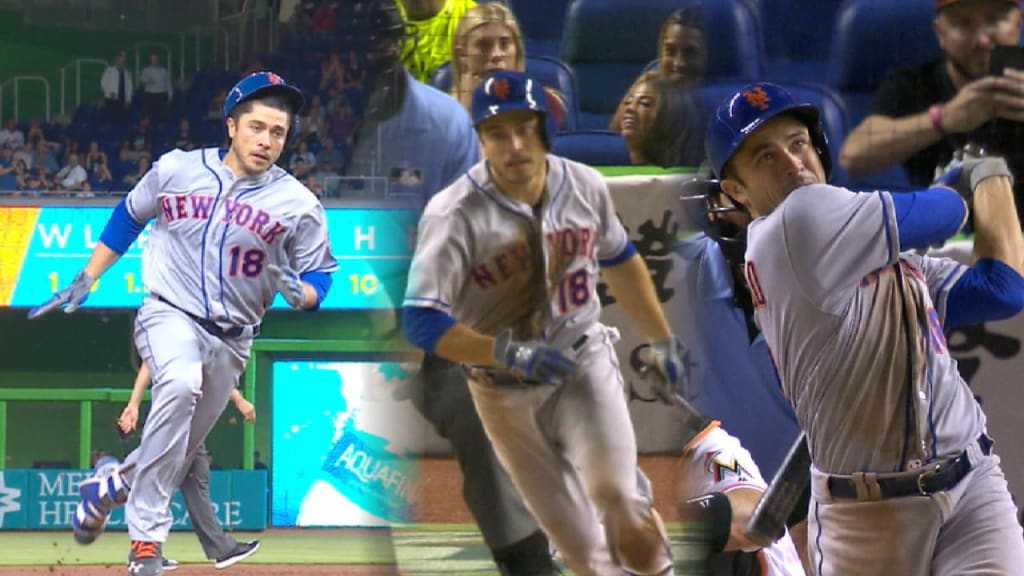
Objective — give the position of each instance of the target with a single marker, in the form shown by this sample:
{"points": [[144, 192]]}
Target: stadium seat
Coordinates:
{"points": [[833, 112], [870, 38], [551, 72], [608, 42], [541, 22], [593, 147], [794, 57]]}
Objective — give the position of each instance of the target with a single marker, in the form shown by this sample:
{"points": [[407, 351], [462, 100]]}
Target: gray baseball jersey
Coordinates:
{"points": [[495, 263], [214, 234], [480, 254], [855, 329]]}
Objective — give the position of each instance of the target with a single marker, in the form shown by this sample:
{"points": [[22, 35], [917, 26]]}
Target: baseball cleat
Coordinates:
{"points": [[145, 559], [169, 564], [98, 495], [241, 552]]}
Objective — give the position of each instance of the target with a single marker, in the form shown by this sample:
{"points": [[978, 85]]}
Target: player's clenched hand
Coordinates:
{"points": [[129, 418], [533, 359], [289, 284], [666, 365], [968, 168], [70, 298], [246, 409]]}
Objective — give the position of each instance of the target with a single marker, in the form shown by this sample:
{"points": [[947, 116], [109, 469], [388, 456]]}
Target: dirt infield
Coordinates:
{"points": [[440, 498], [206, 570]]}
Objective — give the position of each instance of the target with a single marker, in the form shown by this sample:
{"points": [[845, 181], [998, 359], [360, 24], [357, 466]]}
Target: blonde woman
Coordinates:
{"points": [[488, 38]]}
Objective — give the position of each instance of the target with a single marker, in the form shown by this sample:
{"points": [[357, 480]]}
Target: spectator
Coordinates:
{"points": [[302, 155], [313, 123], [43, 158], [433, 24], [488, 38], [327, 176], [141, 134], [682, 54], [8, 179], [183, 138], [921, 115], [142, 166], [24, 155], [35, 132], [313, 185], [157, 90], [215, 108], [94, 155], [343, 124], [682, 47], [300, 169], [38, 180], [329, 155], [70, 147], [660, 124], [21, 174], [116, 84], [72, 176], [11, 136], [100, 178], [332, 71]]}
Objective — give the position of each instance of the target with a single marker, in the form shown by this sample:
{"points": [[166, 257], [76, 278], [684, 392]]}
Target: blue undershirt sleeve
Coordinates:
{"points": [[321, 283], [423, 326], [989, 290], [121, 229], [928, 217]]}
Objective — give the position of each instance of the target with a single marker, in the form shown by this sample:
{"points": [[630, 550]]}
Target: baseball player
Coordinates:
{"points": [[230, 230], [904, 480], [406, 126], [733, 381], [503, 280], [222, 549]]}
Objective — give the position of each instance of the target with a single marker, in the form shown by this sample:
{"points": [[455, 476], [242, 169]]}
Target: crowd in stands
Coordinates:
{"points": [[917, 119]]}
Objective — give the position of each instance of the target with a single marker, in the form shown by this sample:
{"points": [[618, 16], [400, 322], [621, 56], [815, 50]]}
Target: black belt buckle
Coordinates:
{"points": [[933, 471]]}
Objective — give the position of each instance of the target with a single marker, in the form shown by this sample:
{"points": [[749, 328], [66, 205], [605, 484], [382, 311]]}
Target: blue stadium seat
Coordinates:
{"points": [[833, 112], [791, 56], [593, 147], [870, 38], [551, 72], [541, 22], [608, 43]]}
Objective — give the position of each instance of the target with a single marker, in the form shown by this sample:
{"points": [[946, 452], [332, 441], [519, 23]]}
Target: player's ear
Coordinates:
{"points": [[736, 191], [231, 126]]}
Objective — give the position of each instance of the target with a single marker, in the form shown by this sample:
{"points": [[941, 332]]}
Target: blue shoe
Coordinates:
{"points": [[99, 494]]}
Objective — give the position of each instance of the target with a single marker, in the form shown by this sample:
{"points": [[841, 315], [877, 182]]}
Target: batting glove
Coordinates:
{"points": [[666, 368], [968, 167], [533, 359], [289, 284], [70, 298]]}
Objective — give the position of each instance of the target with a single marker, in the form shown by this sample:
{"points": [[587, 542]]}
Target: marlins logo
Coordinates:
{"points": [[723, 464]]}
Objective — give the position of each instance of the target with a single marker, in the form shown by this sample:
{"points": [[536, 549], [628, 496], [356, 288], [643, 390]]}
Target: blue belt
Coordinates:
{"points": [[929, 479]]}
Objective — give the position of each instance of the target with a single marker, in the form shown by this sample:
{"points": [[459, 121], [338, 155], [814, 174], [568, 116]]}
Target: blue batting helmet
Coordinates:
{"points": [[263, 83], [745, 111]]}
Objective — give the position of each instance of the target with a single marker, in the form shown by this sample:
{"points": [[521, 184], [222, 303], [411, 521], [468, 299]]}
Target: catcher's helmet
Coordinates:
{"points": [[508, 90], [746, 110], [263, 83]]}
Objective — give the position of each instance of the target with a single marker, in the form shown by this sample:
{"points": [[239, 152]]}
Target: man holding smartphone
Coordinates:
{"points": [[974, 93]]}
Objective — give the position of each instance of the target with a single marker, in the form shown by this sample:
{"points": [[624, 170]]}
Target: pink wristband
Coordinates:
{"points": [[935, 115]]}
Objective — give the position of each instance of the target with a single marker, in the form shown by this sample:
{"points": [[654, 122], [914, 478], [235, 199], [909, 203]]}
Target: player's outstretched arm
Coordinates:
{"points": [[997, 232]]}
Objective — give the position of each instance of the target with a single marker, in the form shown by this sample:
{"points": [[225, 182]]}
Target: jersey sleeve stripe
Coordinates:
{"points": [[888, 214], [412, 300], [626, 253]]}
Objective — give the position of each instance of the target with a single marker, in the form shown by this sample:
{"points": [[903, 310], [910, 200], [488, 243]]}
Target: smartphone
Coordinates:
{"points": [[1004, 57]]}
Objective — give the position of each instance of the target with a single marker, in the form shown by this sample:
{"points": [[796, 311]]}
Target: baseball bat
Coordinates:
{"points": [[768, 521]]}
